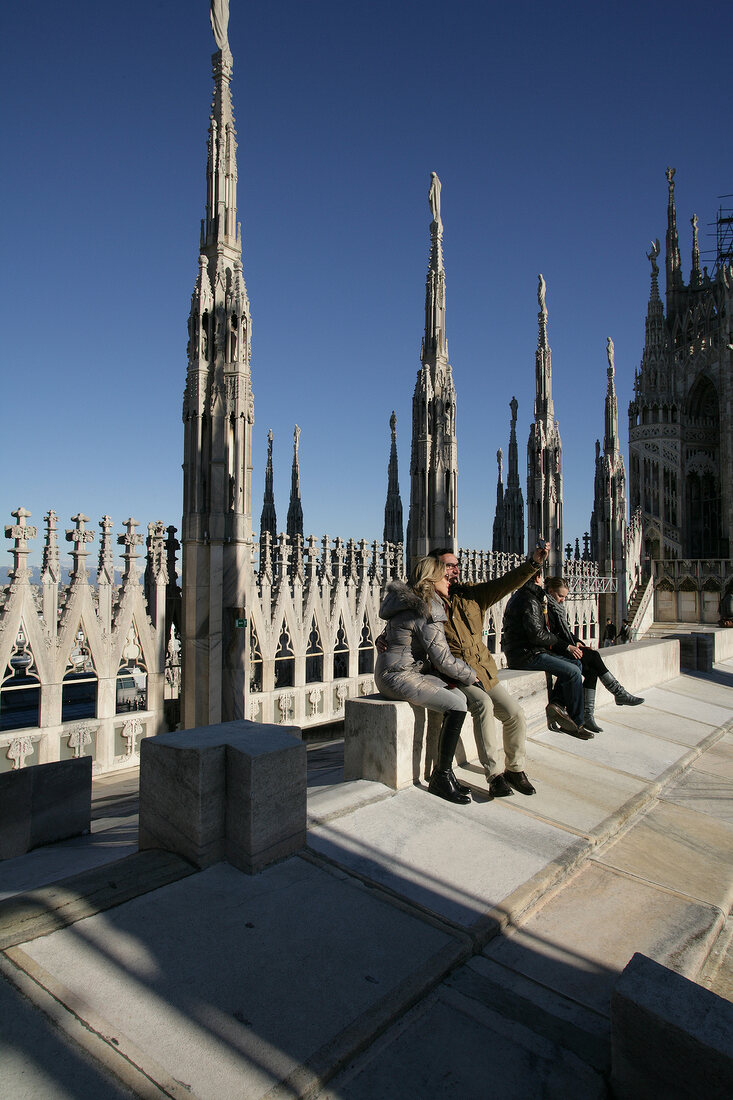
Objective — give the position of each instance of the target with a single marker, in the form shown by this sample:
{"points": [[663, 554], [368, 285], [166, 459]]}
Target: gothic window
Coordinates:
{"points": [[366, 649], [255, 660], [314, 656], [20, 692], [490, 637], [79, 689], [284, 661], [592, 630], [132, 676], [341, 654]]}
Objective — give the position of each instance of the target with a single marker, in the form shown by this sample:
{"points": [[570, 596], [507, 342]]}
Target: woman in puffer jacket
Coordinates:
{"points": [[417, 664]]}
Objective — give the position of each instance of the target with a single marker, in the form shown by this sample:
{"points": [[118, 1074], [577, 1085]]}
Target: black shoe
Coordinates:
{"points": [[498, 786], [624, 698], [440, 784], [519, 781], [559, 719], [583, 733], [460, 787], [591, 724]]}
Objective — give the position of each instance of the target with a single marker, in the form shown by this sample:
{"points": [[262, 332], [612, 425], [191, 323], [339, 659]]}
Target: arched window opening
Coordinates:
{"points": [[284, 661], [366, 649], [20, 693], [341, 654], [255, 660], [132, 676], [314, 656], [79, 689]]}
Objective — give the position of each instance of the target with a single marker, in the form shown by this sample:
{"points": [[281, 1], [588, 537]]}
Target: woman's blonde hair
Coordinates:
{"points": [[425, 572]]}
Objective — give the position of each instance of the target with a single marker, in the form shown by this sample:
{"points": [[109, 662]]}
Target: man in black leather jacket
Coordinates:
{"points": [[527, 640]]}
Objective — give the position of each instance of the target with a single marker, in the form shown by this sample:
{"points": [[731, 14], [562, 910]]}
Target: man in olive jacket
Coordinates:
{"points": [[465, 611]]}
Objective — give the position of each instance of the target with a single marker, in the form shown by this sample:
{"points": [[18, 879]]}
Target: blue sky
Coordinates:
{"points": [[550, 127]]}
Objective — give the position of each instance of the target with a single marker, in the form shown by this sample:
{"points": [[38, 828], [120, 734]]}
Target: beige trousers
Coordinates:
{"points": [[485, 708]]}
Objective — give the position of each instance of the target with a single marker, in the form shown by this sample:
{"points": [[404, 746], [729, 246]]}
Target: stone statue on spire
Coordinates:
{"points": [[611, 357], [541, 288], [220, 22], [434, 197], [652, 256]]}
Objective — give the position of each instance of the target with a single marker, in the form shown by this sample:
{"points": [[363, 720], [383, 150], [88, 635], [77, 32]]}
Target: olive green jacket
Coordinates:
{"points": [[467, 604]]}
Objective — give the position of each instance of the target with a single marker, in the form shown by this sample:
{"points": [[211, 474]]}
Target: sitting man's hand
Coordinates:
{"points": [[381, 643], [575, 651]]}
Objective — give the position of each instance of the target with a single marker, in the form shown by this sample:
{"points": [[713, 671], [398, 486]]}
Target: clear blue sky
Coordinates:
{"points": [[549, 125]]}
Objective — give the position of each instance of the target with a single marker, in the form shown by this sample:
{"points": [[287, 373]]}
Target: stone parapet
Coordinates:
{"points": [[44, 804], [669, 1036], [235, 792]]}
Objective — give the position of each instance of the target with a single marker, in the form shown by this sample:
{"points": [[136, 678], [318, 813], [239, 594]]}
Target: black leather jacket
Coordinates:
{"points": [[524, 631]]}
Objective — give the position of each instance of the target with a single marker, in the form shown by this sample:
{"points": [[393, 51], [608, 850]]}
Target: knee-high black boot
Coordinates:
{"points": [[442, 781], [624, 698]]}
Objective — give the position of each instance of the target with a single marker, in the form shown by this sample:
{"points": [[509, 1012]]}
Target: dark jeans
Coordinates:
{"points": [[569, 680]]}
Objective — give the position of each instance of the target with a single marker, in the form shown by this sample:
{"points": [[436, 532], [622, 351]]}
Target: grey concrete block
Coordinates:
{"points": [[669, 1036], [44, 803], [235, 791]]}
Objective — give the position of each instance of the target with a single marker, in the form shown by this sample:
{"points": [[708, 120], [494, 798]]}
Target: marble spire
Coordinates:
{"points": [[433, 457], [393, 524], [295, 510]]}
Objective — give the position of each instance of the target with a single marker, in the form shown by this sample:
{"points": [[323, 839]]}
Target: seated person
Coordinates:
{"points": [[591, 663], [529, 643], [416, 664]]}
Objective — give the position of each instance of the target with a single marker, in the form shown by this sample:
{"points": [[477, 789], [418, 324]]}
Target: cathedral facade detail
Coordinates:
{"points": [[680, 417]]}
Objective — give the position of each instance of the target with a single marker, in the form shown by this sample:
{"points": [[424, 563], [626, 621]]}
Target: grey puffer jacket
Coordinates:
{"points": [[416, 644]]}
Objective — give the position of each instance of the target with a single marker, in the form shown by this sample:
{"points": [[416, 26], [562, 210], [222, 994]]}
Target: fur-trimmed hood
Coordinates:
{"points": [[400, 597]]}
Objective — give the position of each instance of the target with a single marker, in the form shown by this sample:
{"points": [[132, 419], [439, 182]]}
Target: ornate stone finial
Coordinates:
{"points": [[695, 277], [670, 177], [106, 570], [21, 532], [130, 540], [50, 567], [270, 438], [296, 440], [80, 537], [434, 197], [652, 256], [541, 289], [219, 17], [611, 357], [393, 424]]}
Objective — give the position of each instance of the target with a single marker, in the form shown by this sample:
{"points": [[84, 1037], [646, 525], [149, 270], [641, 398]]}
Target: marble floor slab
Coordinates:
{"points": [[574, 791], [581, 940], [698, 790], [718, 759], [682, 704], [452, 1046], [646, 719], [229, 981], [619, 747], [457, 861], [682, 850]]}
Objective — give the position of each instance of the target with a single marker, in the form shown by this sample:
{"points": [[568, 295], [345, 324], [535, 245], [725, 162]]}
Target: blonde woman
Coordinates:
{"points": [[418, 666]]}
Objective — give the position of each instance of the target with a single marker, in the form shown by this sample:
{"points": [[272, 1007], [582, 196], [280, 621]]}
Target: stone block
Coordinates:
{"points": [[44, 803], [669, 1036], [384, 741], [235, 791]]}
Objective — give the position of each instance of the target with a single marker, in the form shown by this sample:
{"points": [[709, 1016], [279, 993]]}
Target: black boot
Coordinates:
{"points": [[623, 697], [442, 781], [589, 705]]}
